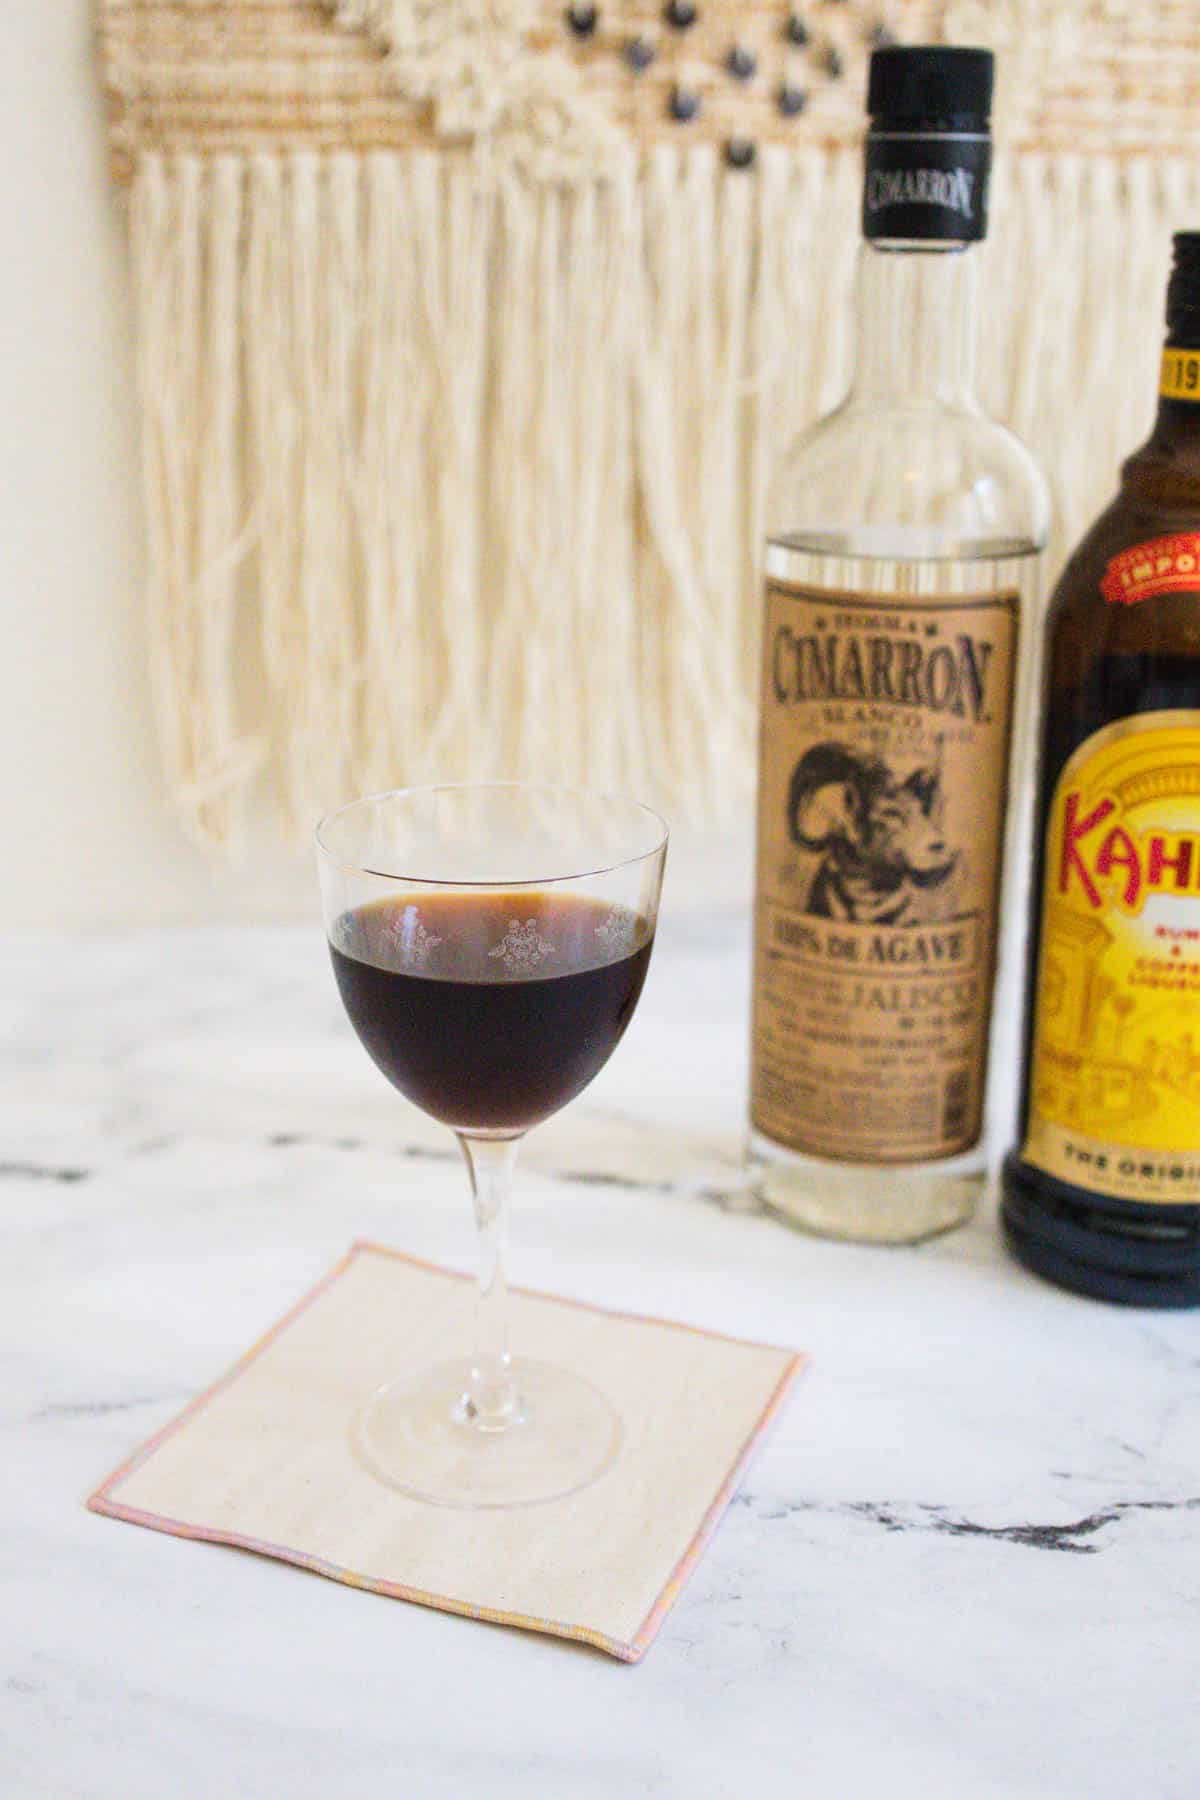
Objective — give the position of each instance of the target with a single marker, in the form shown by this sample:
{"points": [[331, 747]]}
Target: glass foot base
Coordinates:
{"points": [[415, 1435]]}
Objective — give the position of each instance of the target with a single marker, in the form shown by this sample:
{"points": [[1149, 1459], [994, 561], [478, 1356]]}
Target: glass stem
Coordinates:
{"points": [[491, 1402]]}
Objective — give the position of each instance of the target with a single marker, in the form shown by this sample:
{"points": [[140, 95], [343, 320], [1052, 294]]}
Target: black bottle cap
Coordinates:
{"points": [[930, 87], [1183, 291], [929, 149]]}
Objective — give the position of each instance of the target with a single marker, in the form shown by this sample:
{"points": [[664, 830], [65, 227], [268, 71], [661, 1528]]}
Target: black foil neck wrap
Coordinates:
{"points": [[929, 148], [927, 187], [1183, 293]]}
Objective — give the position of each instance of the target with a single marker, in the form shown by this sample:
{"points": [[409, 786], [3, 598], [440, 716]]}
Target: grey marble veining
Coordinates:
{"points": [[966, 1563]]}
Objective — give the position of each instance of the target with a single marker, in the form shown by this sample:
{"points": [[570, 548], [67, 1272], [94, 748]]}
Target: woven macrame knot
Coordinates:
{"points": [[474, 62]]}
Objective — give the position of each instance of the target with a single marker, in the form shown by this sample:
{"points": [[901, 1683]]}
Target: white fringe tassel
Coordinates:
{"points": [[445, 482]]}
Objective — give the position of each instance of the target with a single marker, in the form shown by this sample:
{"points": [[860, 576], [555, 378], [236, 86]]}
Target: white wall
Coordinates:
{"points": [[88, 837]]}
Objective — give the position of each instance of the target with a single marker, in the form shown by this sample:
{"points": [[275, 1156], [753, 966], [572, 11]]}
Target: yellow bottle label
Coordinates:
{"points": [[1115, 1085], [1180, 375]]}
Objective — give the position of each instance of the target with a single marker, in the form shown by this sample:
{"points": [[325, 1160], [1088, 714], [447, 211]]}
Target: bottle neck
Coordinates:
{"points": [[915, 340], [1176, 433], [1166, 469]]}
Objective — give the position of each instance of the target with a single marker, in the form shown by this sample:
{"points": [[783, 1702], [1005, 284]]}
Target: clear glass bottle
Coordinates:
{"points": [[902, 570]]}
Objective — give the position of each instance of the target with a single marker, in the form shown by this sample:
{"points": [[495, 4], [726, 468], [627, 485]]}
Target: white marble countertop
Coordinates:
{"points": [[967, 1563]]}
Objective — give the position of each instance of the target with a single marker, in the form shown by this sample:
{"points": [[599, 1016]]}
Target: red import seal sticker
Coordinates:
{"points": [[1165, 565]]}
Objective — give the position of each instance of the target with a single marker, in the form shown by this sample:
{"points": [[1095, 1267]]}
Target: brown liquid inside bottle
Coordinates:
{"points": [[1102, 1193]]}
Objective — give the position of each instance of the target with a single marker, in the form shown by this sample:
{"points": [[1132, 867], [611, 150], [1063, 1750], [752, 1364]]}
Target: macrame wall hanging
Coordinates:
{"points": [[468, 330]]}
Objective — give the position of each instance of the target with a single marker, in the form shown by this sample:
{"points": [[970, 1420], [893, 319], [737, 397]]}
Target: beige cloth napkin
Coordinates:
{"points": [[262, 1460]]}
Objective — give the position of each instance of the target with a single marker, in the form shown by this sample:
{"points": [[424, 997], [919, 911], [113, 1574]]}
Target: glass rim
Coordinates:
{"points": [[560, 789]]}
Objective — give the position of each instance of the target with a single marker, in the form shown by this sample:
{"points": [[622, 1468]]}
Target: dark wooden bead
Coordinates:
{"points": [[639, 53], [685, 104], [796, 31], [679, 14], [739, 153], [791, 100], [583, 20], [740, 63]]}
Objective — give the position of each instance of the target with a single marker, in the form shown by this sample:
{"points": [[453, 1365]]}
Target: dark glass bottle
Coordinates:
{"points": [[1103, 1192]]}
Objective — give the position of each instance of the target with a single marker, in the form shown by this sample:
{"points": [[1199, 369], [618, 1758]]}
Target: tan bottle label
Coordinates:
{"points": [[882, 788], [1115, 1084]]}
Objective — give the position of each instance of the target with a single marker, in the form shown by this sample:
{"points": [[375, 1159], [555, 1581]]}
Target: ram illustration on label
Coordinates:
{"points": [[877, 835], [1115, 1090]]}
